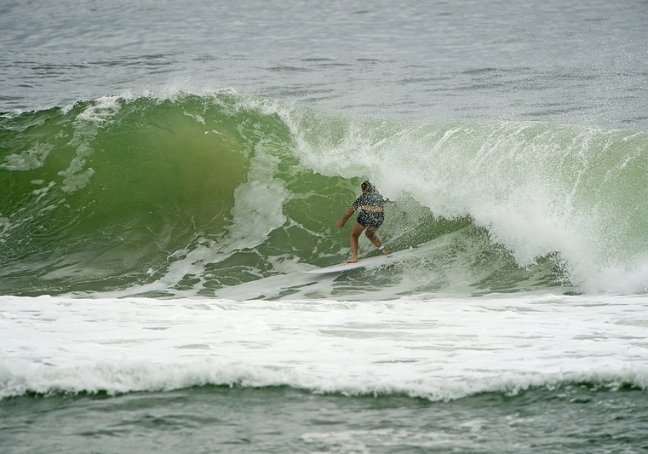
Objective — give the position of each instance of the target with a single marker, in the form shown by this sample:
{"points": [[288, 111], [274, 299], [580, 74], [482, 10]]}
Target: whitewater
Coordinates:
{"points": [[169, 171], [412, 347]]}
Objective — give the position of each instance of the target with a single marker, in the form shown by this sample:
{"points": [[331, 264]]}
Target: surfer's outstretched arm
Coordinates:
{"points": [[345, 217]]}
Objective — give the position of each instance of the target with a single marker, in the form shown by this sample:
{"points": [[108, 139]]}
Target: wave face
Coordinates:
{"points": [[205, 194]]}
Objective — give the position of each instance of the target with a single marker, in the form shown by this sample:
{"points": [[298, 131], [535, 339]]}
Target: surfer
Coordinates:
{"points": [[370, 218]]}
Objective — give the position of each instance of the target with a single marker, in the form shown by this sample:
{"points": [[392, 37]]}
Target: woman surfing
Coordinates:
{"points": [[372, 214]]}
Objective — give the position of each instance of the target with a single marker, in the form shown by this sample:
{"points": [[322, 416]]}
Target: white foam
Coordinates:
{"points": [[100, 110], [433, 348], [87, 124], [5, 224], [29, 160]]}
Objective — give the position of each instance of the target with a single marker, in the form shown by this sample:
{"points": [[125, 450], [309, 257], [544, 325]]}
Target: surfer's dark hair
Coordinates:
{"points": [[367, 187]]}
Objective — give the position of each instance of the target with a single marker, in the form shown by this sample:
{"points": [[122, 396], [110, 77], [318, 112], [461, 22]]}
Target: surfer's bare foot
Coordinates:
{"points": [[384, 250], [352, 260]]}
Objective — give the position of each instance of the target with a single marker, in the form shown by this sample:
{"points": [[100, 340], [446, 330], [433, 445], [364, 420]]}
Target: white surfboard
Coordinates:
{"points": [[371, 262]]}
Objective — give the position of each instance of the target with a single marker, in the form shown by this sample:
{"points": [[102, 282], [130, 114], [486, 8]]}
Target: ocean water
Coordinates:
{"points": [[168, 170]]}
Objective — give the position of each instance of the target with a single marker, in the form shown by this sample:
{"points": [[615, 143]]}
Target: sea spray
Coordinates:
{"points": [[537, 188]]}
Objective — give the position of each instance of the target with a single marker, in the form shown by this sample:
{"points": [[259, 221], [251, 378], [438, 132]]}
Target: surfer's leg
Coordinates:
{"points": [[356, 230], [371, 234]]}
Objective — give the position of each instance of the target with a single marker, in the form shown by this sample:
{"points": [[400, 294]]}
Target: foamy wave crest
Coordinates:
{"points": [[127, 376], [437, 349]]}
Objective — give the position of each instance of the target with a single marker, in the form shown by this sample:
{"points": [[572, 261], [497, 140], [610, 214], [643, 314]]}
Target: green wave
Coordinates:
{"points": [[201, 193]]}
